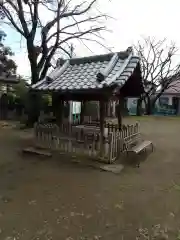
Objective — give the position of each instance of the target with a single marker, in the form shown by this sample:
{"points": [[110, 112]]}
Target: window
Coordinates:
{"points": [[163, 100]]}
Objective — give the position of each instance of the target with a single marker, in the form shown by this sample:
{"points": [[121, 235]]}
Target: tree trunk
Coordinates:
{"points": [[139, 107], [153, 103], [33, 108], [148, 106], [34, 99], [34, 74], [32, 55]]}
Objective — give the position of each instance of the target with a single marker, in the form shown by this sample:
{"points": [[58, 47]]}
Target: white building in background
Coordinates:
{"points": [[132, 102], [132, 105], [170, 97]]}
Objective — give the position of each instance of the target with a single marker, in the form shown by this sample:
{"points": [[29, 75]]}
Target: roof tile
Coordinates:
{"points": [[81, 73]]}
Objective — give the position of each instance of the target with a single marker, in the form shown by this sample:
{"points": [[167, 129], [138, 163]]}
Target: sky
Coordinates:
{"points": [[131, 20]]}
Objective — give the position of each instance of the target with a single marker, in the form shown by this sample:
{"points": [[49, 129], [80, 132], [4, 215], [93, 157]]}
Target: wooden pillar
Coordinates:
{"points": [[113, 108], [102, 118], [58, 108], [61, 111], [109, 109], [106, 109], [70, 112], [83, 106], [98, 111], [119, 112]]}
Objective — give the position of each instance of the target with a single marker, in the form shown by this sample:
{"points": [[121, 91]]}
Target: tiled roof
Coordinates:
{"points": [[174, 88], [93, 72], [8, 79]]}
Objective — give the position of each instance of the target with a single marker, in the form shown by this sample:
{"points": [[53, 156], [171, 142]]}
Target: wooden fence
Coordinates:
{"points": [[66, 140], [117, 145]]}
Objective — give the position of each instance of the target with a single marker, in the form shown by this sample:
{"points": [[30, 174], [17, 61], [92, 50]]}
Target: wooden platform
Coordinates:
{"points": [[37, 151]]}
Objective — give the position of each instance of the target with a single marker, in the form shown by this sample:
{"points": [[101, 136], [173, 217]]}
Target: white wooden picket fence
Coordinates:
{"points": [[66, 140]]}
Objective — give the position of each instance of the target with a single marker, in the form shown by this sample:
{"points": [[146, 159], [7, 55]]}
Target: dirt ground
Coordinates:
{"points": [[47, 199]]}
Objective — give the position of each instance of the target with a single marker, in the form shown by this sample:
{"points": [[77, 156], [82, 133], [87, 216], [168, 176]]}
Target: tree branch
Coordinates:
{"points": [[73, 25], [157, 66], [69, 22], [21, 18], [34, 17], [10, 18]]}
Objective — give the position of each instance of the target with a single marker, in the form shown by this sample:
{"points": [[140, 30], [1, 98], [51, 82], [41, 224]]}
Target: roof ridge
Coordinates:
{"points": [[57, 72], [96, 58], [103, 73], [117, 75]]}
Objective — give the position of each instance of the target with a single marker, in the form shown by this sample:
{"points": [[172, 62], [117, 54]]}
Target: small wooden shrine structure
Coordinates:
{"points": [[96, 78]]}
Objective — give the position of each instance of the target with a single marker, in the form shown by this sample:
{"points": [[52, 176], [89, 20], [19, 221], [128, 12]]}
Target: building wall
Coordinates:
{"points": [[167, 99], [132, 105], [164, 99], [131, 102]]}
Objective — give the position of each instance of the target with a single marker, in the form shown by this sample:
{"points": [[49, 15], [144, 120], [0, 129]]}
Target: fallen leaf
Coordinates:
{"points": [[5, 199], [72, 214], [10, 238], [97, 237], [120, 206], [58, 221], [41, 231], [56, 210], [109, 225], [89, 216], [172, 214], [32, 202]]}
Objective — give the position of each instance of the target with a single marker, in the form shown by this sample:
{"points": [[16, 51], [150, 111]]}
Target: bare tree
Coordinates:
{"points": [[50, 25], [158, 69]]}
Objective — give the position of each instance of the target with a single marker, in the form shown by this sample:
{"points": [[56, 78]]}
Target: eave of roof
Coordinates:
{"points": [[9, 80]]}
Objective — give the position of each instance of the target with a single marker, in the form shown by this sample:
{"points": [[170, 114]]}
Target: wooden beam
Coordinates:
{"points": [[70, 112], [83, 106], [58, 107], [102, 119], [119, 109], [61, 111]]}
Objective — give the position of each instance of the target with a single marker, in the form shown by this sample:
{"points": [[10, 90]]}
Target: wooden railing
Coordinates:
{"points": [[50, 136], [117, 145], [65, 139]]}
